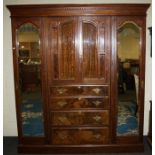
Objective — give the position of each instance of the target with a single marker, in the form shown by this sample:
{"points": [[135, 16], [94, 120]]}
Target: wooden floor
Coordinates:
{"points": [[10, 148]]}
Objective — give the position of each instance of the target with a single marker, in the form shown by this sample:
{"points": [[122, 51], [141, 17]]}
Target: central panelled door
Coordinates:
{"points": [[79, 80]]}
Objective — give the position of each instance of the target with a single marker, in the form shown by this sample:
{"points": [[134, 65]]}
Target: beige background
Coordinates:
{"points": [[10, 124]]}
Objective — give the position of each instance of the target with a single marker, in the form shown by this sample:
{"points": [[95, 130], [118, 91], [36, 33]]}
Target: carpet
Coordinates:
{"points": [[32, 115]]}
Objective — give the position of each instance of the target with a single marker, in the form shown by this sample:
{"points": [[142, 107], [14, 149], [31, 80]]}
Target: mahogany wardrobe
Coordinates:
{"points": [[79, 77]]}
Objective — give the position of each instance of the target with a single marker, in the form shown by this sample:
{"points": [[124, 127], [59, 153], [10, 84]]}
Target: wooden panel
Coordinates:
{"points": [[102, 70], [80, 103], [70, 149], [67, 53], [62, 60], [80, 136], [95, 50], [79, 50], [90, 60], [80, 90], [80, 118]]}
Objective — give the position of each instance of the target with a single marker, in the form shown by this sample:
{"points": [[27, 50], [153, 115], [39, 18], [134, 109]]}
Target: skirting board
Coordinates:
{"points": [[81, 149]]}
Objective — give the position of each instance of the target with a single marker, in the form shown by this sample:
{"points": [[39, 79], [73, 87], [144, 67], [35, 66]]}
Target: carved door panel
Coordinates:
{"points": [[95, 51], [79, 50], [63, 57]]}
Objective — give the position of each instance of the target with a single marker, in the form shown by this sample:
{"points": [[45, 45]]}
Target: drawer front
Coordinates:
{"points": [[83, 136], [78, 103], [80, 90], [80, 118]]}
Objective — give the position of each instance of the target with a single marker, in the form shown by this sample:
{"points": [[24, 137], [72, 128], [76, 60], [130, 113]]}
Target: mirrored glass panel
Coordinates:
{"points": [[30, 80], [128, 51]]}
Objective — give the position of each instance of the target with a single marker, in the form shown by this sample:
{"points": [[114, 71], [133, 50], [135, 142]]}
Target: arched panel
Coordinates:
{"points": [[63, 49], [95, 49], [90, 55]]}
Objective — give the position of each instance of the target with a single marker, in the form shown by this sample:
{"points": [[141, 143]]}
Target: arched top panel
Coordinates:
{"points": [[128, 29], [28, 32], [129, 37], [28, 27], [129, 24], [91, 22]]}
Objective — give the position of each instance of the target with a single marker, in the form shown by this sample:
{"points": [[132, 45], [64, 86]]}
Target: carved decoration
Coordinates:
{"points": [[66, 10]]}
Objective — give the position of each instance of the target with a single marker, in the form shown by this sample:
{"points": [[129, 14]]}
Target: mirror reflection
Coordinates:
{"points": [[128, 49], [30, 80]]}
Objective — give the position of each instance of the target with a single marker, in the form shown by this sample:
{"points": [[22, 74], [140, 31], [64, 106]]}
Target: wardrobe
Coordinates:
{"points": [[79, 77]]}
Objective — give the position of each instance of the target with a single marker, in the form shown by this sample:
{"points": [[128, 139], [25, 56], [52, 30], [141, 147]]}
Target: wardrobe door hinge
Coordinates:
{"points": [[142, 84], [16, 85]]}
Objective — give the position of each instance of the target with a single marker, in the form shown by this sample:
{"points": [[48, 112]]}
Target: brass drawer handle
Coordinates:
{"points": [[63, 119], [97, 118], [61, 90], [96, 90], [97, 103], [62, 103], [97, 136]]}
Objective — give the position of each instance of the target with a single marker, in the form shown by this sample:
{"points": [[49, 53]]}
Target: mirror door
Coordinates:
{"points": [[128, 78], [29, 80]]}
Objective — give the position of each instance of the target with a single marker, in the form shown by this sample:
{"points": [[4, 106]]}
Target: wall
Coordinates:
{"points": [[10, 128]]}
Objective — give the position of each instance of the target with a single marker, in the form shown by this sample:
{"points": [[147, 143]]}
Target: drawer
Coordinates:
{"points": [[78, 103], [80, 118], [80, 136], [79, 90]]}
